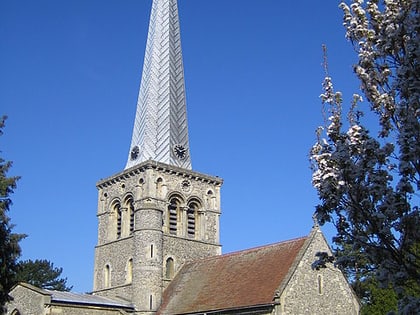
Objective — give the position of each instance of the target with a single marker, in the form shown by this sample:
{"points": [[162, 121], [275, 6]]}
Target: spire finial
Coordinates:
{"points": [[160, 129], [315, 219]]}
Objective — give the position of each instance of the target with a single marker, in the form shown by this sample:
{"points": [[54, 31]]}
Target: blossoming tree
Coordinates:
{"points": [[369, 183]]}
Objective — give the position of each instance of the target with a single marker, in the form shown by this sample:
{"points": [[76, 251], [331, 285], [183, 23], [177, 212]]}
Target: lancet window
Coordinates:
{"points": [[129, 271], [107, 276], [170, 268], [320, 284], [129, 203], [159, 187]]}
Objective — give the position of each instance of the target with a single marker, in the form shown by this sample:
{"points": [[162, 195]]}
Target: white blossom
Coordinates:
{"points": [[369, 184]]}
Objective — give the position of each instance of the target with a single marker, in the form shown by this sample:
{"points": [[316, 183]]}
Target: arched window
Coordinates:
{"points": [[211, 199], [107, 276], [129, 272], [159, 186], [169, 268], [117, 211], [173, 214], [129, 204], [192, 213]]}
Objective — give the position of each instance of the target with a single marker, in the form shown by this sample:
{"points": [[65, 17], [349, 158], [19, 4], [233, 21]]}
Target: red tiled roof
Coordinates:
{"points": [[241, 279]]}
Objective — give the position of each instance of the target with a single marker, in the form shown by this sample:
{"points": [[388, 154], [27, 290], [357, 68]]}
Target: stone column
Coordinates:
{"points": [[147, 256]]}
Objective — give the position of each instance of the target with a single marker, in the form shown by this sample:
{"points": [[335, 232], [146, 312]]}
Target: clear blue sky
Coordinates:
{"points": [[69, 78]]}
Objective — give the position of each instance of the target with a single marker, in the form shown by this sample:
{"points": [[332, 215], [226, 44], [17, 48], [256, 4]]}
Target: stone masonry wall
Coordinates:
{"points": [[116, 255], [317, 292], [185, 250], [150, 186], [26, 301]]}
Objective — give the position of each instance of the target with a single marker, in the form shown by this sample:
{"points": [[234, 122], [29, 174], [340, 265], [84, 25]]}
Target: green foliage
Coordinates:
{"points": [[376, 300], [9, 242], [42, 274]]}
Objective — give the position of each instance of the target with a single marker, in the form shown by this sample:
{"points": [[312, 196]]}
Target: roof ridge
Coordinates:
{"points": [[252, 249], [264, 246]]}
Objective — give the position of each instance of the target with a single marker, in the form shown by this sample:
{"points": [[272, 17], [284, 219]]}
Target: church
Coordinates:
{"points": [[158, 249]]}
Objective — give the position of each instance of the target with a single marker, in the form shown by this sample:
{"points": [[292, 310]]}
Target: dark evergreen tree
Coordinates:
{"points": [[42, 274], [375, 300], [9, 241]]}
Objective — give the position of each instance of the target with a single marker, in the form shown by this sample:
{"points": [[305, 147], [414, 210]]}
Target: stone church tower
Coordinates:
{"points": [[157, 213]]}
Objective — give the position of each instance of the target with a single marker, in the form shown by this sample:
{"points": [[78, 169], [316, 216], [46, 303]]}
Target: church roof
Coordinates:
{"points": [[87, 299], [245, 279], [80, 299]]}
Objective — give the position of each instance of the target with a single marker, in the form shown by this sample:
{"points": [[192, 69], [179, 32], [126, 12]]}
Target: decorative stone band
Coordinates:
{"points": [[162, 167]]}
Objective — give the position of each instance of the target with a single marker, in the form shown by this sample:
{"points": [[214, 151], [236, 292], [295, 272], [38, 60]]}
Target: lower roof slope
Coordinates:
{"points": [[88, 299], [238, 280], [77, 299]]}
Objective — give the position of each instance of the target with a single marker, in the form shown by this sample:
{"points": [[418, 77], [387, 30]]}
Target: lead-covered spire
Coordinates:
{"points": [[160, 129]]}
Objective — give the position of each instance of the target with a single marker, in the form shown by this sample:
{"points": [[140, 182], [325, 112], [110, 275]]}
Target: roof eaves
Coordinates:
{"points": [[74, 299], [91, 306], [137, 169], [250, 309]]}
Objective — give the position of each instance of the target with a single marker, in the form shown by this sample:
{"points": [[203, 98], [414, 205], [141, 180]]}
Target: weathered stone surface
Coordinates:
{"points": [[27, 300], [314, 292], [151, 243]]}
